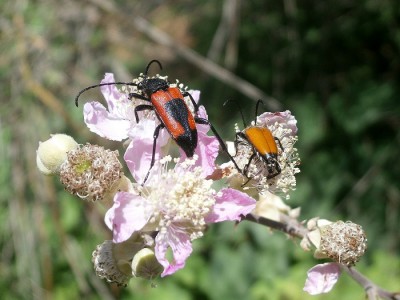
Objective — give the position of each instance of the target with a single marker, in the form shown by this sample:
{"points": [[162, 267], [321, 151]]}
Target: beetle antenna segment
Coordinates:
{"points": [[258, 103], [240, 110], [98, 85], [150, 63]]}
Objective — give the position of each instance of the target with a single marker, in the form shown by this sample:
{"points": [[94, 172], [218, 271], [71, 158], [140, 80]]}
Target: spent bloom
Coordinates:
{"points": [[343, 242], [90, 172], [111, 266], [119, 262], [176, 203]]}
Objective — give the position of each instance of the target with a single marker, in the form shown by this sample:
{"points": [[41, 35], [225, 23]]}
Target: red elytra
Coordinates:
{"points": [[171, 109]]}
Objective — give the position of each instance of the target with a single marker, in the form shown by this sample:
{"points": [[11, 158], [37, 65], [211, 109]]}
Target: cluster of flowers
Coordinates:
{"points": [[153, 223]]}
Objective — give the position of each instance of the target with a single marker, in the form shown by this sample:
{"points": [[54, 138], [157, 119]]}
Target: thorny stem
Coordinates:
{"points": [[296, 229]]}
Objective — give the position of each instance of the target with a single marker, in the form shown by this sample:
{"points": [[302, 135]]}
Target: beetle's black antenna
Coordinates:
{"points": [[240, 110], [257, 105], [98, 85], [150, 63]]}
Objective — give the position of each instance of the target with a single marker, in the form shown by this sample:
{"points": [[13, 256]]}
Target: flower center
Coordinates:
{"points": [[83, 166], [182, 197]]}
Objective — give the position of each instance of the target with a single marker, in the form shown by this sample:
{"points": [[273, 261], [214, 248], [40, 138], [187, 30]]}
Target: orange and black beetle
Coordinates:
{"points": [[264, 146]]}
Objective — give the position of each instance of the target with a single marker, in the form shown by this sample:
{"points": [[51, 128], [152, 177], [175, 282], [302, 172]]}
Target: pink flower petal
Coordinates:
{"points": [[230, 205], [113, 96], [114, 121], [207, 149], [138, 157], [195, 95], [139, 152], [202, 113], [207, 146], [322, 278], [128, 214], [101, 122], [285, 118], [181, 249]]}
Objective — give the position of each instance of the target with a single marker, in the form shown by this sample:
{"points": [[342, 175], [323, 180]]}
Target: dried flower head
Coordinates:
{"points": [[90, 171], [114, 261], [107, 267], [343, 242]]}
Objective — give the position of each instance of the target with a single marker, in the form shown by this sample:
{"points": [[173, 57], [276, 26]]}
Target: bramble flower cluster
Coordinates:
{"points": [[170, 201]]}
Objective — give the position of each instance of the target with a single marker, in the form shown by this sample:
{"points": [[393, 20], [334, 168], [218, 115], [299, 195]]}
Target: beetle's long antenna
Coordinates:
{"points": [[150, 63], [98, 85], [240, 110], [257, 105]]}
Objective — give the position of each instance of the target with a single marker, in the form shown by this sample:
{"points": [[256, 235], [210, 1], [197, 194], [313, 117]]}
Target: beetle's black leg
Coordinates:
{"points": [[221, 142], [279, 142], [195, 105], [155, 136], [277, 168], [140, 108], [246, 168]]}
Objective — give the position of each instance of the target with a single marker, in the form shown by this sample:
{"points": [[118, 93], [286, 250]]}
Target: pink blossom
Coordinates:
{"points": [[178, 204], [322, 278]]}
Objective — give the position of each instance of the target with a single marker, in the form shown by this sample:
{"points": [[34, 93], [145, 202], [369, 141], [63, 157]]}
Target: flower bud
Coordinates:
{"points": [[146, 265], [52, 153], [272, 207]]}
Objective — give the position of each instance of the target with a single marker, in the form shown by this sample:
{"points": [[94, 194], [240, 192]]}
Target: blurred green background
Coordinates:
{"points": [[334, 64]]}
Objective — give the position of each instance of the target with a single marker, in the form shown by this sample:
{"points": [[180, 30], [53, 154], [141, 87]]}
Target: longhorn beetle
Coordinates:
{"points": [[263, 143], [172, 111]]}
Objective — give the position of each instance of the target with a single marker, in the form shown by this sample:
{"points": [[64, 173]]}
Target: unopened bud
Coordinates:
{"points": [[52, 153], [146, 265]]}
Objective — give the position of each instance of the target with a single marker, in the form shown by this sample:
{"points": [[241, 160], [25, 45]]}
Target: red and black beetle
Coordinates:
{"points": [[171, 109]]}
